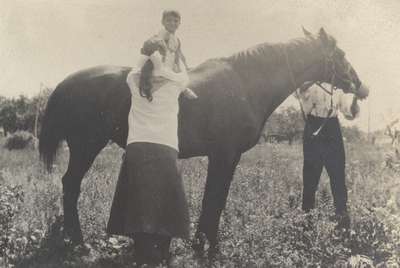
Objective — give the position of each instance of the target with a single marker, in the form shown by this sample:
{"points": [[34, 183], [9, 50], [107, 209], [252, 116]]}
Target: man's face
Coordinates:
{"points": [[171, 23]]}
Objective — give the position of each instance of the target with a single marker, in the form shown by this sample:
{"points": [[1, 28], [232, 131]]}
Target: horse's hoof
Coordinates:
{"points": [[213, 252], [71, 242], [199, 242], [72, 237], [82, 249], [343, 221]]}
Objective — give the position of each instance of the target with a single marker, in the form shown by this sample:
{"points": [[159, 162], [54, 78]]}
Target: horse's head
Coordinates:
{"points": [[336, 68]]}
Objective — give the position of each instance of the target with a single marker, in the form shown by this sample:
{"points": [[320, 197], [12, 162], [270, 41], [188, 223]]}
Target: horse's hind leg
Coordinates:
{"points": [[81, 158]]}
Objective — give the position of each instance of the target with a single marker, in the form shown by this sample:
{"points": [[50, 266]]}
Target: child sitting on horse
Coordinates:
{"points": [[173, 67]]}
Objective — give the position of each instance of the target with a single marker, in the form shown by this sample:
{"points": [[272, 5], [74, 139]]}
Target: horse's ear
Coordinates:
{"points": [[323, 35], [327, 40], [306, 33]]}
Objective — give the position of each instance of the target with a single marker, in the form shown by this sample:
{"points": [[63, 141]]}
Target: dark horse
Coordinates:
{"points": [[236, 96]]}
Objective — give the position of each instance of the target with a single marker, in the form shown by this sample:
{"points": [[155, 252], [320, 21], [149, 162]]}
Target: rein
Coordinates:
{"points": [[293, 80], [323, 88], [330, 111]]}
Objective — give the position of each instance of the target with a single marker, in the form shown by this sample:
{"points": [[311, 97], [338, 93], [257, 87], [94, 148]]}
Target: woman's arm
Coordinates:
{"points": [[141, 61], [160, 70], [188, 93]]}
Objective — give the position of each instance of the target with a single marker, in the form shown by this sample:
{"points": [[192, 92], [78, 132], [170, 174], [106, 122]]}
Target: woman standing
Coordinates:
{"points": [[149, 203]]}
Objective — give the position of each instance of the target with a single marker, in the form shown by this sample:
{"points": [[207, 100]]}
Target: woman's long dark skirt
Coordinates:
{"points": [[149, 197]]}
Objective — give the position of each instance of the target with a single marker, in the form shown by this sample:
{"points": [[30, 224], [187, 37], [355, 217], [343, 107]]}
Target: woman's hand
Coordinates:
{"points": [[188, 93]]}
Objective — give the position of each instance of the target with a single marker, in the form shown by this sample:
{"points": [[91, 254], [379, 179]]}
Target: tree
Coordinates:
{"points": [[39, 103], [393, 132], [286, 124], [8, 115], [352, 134], [23, 113]]}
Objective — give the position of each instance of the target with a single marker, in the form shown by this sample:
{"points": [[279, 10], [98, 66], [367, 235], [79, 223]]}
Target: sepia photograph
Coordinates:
{"points": [[174, 133]]}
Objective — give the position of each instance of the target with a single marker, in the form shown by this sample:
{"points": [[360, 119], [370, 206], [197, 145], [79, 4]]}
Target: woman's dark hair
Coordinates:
{"points": [[145, 84], [146, 72]]}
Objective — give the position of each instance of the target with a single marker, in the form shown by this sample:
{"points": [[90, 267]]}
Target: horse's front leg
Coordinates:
{"points": [[221, 167]]}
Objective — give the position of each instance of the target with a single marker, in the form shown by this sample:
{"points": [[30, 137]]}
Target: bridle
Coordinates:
{"points": [[330, 73], [327, 60]]}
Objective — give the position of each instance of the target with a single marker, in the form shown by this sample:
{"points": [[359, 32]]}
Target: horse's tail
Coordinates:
{"points": [[52, 129]]}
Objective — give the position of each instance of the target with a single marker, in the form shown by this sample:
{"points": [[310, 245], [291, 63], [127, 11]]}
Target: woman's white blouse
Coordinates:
{"points": [[156, 121]]}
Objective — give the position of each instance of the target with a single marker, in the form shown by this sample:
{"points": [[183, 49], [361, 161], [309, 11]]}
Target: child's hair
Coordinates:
{"points": [[171, 12]]}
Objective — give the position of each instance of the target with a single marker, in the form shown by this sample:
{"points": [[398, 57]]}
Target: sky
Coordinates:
{"points": [[43, 41]]}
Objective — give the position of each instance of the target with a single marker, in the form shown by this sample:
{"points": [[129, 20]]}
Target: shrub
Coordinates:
{"points": [[19, 140], [10, 201], [262, 225]]}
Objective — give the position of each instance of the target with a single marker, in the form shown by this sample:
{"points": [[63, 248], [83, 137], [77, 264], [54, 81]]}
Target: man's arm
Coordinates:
{"points": [[355, 109], [348, 105]]}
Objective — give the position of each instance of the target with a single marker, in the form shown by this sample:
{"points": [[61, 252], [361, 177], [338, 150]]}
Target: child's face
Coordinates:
{"points": [[171, 23]]}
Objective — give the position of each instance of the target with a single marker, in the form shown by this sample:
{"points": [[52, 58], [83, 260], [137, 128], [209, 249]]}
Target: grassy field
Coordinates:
{"points": [[262, 225]]}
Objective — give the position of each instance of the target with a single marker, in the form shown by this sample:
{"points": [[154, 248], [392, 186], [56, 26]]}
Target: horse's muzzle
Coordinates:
{"points": [[362, 92]]}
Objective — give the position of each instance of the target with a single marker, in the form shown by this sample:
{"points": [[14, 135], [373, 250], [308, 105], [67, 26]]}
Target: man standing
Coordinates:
{"points": [[323, 143]]}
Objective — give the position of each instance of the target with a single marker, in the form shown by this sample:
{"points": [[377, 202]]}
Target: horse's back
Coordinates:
{"points": [[96, 75], [96, 102]]}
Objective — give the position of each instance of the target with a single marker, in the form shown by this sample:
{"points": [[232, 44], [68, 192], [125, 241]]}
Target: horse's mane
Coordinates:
{"points": [[267, 56], [263, 58]]}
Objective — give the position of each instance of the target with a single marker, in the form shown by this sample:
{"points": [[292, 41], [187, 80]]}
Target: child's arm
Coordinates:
{"points": [[183, 58], [181, 55]]}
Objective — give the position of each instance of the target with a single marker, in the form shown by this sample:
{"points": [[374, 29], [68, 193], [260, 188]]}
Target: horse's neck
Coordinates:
{"points": [[270, 81]]}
